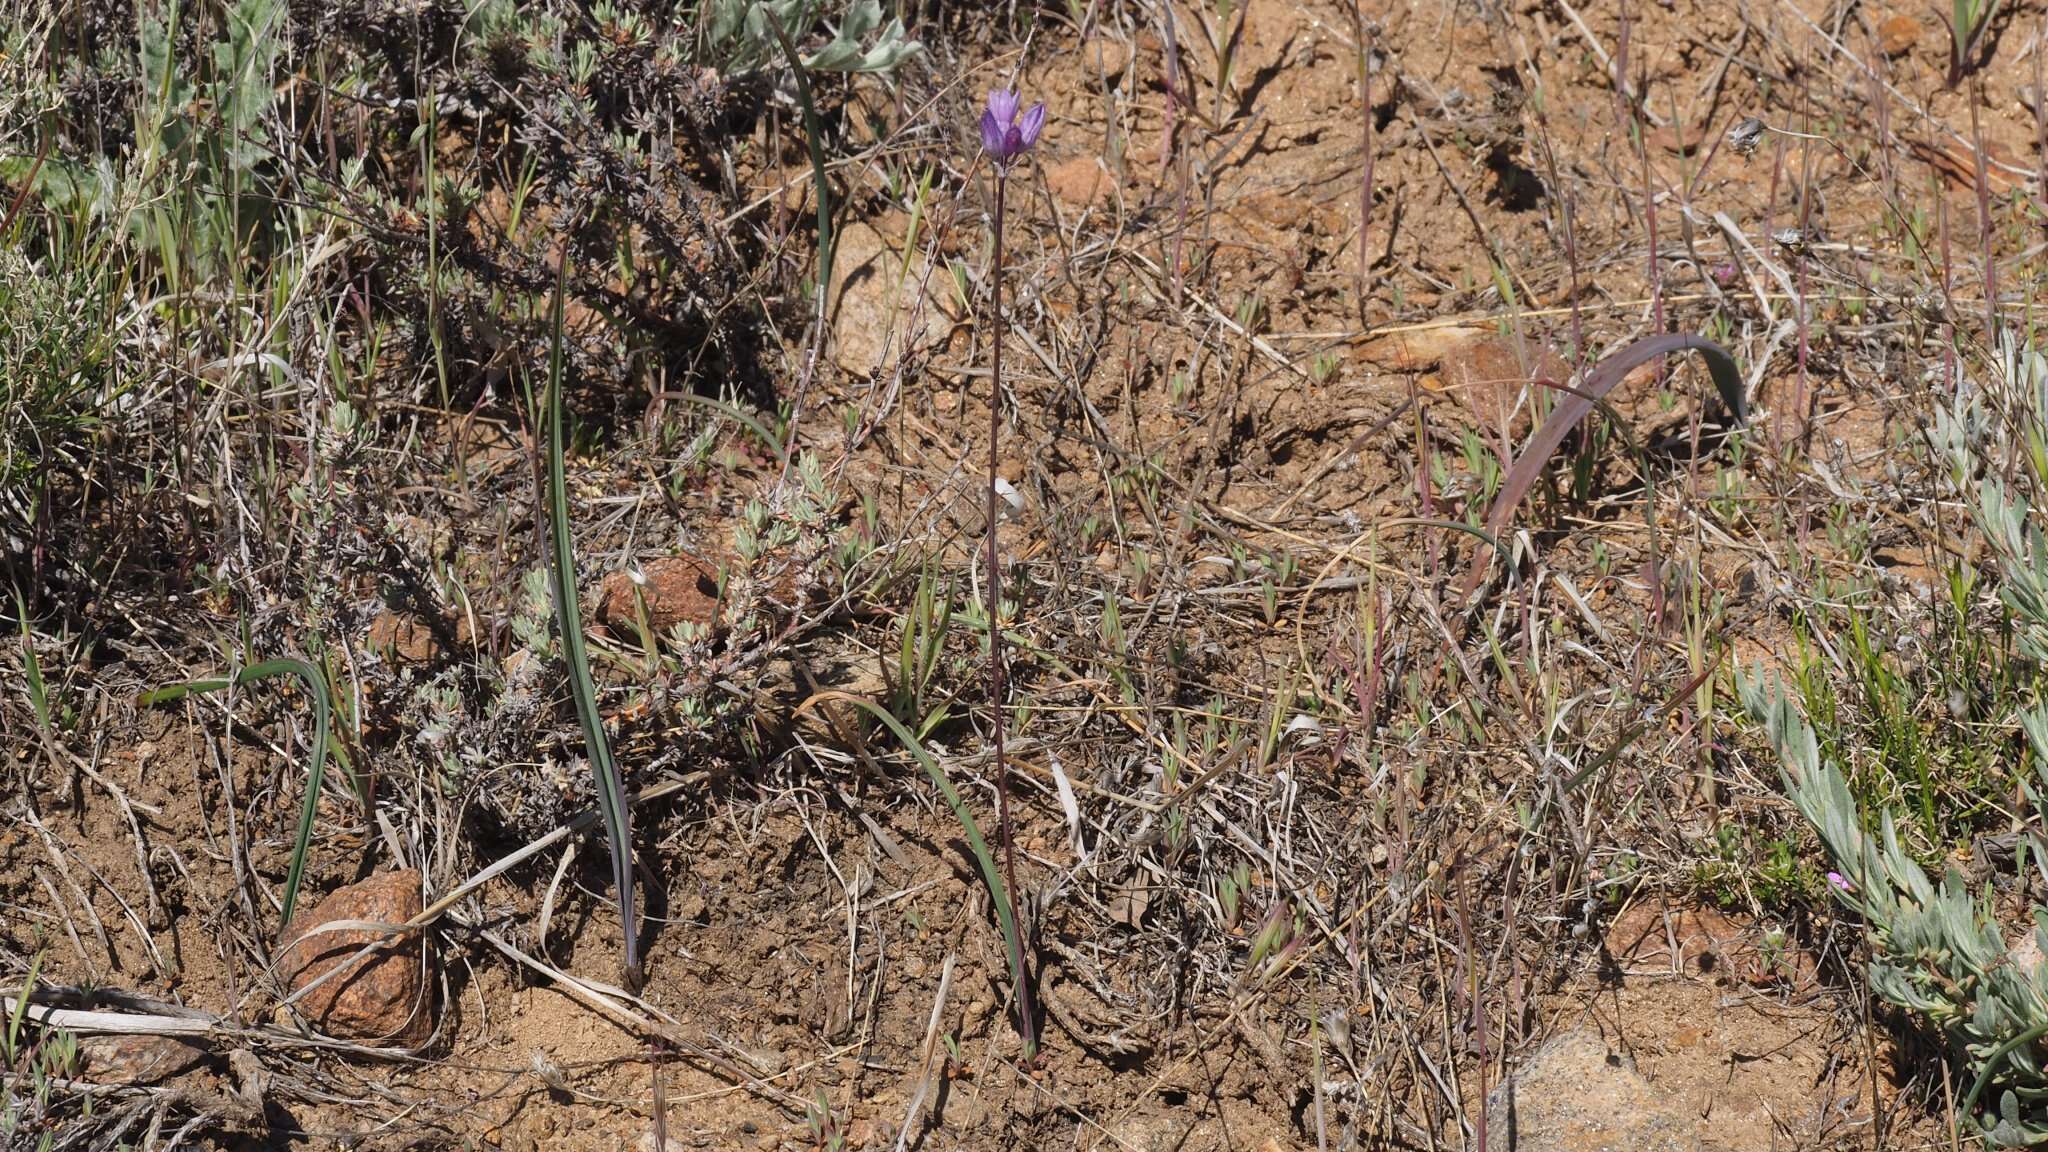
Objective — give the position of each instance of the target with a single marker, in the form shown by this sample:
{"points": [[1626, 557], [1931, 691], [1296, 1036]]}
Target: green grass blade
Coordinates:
{"points": [[316, 772], [12, 1048], [732, 412], [983, 858], [611, 790], [38, 696]]}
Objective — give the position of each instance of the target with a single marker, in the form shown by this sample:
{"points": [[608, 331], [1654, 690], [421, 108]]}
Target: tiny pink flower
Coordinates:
{"points": [[1004, 135], [1840, 884], [1724, 274]]}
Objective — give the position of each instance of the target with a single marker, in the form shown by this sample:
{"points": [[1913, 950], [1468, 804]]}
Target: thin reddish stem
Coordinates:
{"points": [[1984, 221], [1362, 29], [1799, 261], [998, 681]]}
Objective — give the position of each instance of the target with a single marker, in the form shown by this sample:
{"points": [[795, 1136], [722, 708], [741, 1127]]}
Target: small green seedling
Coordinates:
{"points": [[1967, 22]]}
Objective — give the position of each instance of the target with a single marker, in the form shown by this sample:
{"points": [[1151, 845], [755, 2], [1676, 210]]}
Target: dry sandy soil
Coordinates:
{"points": [[1240, 457]]}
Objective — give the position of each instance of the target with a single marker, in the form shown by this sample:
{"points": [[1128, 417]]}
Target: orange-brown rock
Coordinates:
{"points": [[1079, 182], [402, 638], [676, 589], [1898, 35], [1490, 374], [379, 998], [1576, 1095], [1105, 57], [882, 305], [138, 1059], [1705, 943]]}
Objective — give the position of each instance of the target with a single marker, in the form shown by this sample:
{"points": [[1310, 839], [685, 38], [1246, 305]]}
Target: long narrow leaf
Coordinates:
{"points": [[733, 412], [38, 697], [1579, 403], [611, 790], [316, 772], [983, 858], [12, 1047]]}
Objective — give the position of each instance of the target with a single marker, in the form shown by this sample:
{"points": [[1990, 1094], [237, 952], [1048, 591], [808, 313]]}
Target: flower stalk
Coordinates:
{"points": [[1005, 136]]}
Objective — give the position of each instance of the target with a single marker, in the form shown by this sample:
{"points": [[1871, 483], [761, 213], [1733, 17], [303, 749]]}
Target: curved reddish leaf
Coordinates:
{"points": [[1577, 404]]}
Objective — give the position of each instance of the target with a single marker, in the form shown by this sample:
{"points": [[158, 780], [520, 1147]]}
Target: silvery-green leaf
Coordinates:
{"points": [[845, 53], [1895, 987]]}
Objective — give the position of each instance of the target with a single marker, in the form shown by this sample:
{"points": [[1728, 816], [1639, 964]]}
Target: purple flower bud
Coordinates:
{"points": [[1003, 136], [1841, 885], [1724, 274]]}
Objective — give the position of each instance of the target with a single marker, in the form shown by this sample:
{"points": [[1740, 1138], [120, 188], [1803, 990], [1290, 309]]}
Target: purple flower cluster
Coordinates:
{"points": [[1004, 135]]}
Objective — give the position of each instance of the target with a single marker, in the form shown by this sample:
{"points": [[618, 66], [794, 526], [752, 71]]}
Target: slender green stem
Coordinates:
{"points": [[1991, 1064], [1006, 908]]}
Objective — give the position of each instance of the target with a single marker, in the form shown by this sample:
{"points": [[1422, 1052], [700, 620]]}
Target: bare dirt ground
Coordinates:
{"points": [[1247, 696]]}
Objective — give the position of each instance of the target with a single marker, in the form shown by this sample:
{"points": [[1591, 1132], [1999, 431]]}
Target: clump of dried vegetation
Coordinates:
{"points": [[435, 434]]}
